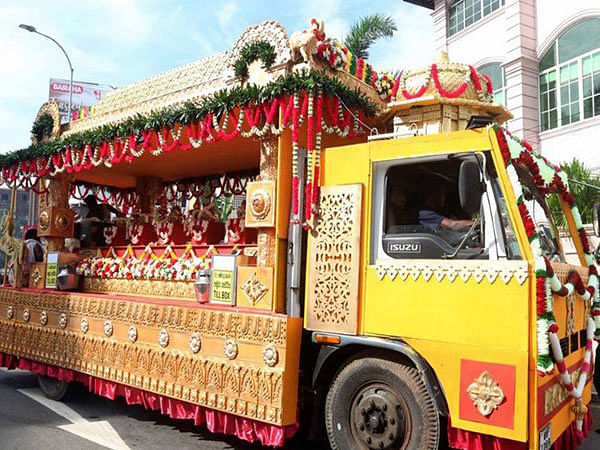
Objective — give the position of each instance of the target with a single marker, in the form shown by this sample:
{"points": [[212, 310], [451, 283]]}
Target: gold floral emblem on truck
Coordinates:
{"points": [[486, 394], [230, 349], [260, 204], [254, 289]]}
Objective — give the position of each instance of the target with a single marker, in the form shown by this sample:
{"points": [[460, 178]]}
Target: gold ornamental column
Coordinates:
{"points": [[55, 217], [268, 172]]}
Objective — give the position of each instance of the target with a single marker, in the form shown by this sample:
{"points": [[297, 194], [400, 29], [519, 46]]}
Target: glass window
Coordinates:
{"points": [[582, 38], [496, 73], [570, 83], [463, 13], [510, 238], [423, 217]]}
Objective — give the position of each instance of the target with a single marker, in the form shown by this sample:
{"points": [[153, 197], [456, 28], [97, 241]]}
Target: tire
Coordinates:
{"points": [[379, 404], [52, 388]]}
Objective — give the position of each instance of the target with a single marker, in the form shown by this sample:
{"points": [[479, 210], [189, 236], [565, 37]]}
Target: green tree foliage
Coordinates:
{"points": [[585, 196], [366, 31]]}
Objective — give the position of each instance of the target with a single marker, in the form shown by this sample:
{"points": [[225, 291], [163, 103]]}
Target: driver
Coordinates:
{"points": [[430, 218]]}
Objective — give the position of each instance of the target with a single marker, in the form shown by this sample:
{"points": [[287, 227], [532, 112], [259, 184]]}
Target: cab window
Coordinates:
{"points": [[423, 217]]}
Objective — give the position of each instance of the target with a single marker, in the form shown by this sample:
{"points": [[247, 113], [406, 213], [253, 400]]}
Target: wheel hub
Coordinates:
{"points": [[377, 418]]}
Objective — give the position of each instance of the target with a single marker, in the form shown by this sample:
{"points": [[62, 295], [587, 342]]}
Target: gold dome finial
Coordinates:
{"points": [[442, 57]]}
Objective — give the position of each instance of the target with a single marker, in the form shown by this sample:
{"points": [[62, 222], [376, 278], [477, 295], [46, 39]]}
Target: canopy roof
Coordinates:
{"points": [[264, 69], [267, 83]]}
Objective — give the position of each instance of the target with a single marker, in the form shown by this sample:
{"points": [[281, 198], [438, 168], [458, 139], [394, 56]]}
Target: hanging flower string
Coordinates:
{"points": [[549, 178], [323, 113]]}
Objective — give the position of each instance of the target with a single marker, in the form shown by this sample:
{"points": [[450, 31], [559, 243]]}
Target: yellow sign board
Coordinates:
{"points": [[223, 279], [222, 286], [51, 270]]}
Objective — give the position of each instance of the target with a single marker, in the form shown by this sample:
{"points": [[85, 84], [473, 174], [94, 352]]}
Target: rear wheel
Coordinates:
{"points": [[52, 388], [379, 404]]}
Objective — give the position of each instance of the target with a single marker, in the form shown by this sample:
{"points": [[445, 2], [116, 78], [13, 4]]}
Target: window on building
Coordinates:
{"points": [[496, 73], [464, 13], [570, 76]]}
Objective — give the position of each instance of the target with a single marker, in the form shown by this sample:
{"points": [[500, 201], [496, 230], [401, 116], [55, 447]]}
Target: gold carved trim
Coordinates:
{"points": [[154, 288], [486, 394], [453, 270]]}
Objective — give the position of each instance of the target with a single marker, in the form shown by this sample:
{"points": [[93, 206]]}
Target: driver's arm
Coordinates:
{"points": [[453, 224]]}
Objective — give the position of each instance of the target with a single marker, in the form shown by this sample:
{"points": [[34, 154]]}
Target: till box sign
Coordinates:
{"points": [[223, 279]]}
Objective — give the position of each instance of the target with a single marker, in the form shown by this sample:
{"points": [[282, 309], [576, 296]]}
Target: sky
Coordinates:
{"points": [[118, 42]]}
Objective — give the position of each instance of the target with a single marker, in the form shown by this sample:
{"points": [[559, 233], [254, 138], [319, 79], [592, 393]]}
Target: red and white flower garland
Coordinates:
{"points": [[549, 178], [148, 266], [331, 117]]}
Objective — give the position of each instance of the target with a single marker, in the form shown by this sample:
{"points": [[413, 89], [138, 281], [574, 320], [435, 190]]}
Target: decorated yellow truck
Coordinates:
{"points": [[279, 236]]}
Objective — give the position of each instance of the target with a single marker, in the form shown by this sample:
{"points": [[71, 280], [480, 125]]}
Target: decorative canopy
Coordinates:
{"points": [[215, 99], [450, 83]]}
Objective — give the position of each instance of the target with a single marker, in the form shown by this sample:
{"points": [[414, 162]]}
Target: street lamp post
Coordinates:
{"points": [[33, 30]]}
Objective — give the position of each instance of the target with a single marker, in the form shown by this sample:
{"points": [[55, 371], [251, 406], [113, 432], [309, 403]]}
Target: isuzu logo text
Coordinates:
{"points": [[404, 247]]}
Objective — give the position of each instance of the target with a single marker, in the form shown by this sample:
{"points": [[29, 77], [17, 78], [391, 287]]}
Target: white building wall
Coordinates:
{"points": [[581, 140], [473, 44], [552, 13]]}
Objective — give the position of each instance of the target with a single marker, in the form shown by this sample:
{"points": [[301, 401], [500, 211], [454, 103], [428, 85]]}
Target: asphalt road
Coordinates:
{"points": [[84, 421]]}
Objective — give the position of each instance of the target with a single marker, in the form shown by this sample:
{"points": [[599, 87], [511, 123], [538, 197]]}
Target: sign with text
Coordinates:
{"points": [[51, 270], [85, 96], [223, 279]]}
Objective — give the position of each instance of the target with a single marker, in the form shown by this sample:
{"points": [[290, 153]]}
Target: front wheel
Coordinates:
{"points": [[379, 404], [52, 388]]}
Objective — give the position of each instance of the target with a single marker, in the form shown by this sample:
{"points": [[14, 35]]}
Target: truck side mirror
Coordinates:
{"points": [[470, 186], [596, 220]]}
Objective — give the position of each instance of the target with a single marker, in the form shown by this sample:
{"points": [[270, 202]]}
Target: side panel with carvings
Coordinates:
{"points": [[334, 261], [241, 363]]}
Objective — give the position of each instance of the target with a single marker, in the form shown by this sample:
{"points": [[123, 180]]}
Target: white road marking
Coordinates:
{"points": [[101, 432]]}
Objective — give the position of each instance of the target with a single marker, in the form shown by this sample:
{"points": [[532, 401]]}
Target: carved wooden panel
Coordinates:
{"points": [[334, 261], [242, 363]]}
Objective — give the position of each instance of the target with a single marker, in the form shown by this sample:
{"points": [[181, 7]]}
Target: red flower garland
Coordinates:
{"points": [[443, 92]]}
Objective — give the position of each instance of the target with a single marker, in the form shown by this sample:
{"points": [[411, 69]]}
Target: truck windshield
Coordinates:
{"points": [[537, 206], [510, 240]]}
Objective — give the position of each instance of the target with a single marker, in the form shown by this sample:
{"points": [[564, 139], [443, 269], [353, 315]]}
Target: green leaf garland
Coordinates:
{"points": [[251, 52]]}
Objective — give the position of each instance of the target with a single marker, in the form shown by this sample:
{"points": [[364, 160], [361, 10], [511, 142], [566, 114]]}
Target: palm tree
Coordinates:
{"points": [[367, 30], [585, 195]]}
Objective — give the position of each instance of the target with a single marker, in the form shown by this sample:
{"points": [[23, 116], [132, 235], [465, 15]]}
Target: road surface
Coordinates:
{"points": [[87, 422]]}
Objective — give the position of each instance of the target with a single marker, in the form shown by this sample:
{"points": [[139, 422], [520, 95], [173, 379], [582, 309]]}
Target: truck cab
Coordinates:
{"points": [[439, 317]]}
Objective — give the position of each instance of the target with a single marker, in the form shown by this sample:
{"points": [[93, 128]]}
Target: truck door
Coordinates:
{"points": [[450, 283]]}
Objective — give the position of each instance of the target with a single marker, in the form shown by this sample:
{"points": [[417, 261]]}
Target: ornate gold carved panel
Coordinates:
{"points": [[176, 351], [334, 261]]}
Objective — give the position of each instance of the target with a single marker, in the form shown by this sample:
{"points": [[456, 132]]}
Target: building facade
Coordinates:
{"points": [[544, 60]]}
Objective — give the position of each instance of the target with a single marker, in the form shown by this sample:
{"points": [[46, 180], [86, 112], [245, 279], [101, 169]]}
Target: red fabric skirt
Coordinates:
{"points": [[216, 421], [469, 440]]}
